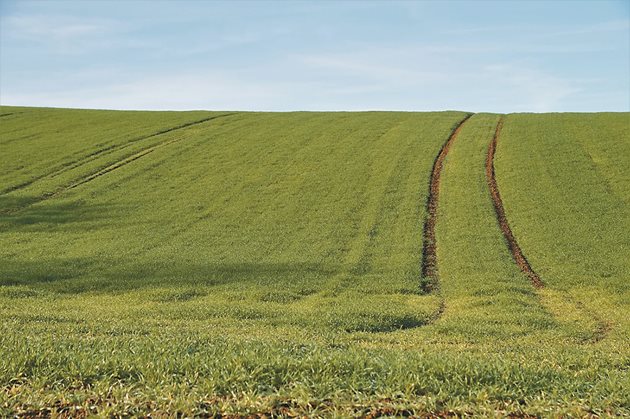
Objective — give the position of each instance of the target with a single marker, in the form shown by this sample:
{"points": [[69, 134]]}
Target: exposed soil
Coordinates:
{"points": [[516, 251], [429, 257]]}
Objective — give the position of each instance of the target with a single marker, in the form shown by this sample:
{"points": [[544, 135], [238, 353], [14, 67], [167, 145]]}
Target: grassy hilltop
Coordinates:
{"points": [[204, 263]]}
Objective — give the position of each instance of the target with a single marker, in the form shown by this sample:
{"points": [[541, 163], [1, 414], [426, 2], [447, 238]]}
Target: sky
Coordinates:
{"points": [[479, 56]]}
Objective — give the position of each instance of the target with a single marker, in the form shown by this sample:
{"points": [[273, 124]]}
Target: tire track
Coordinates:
{"points": [[603, 326], [139, 154], [430, 280], [118, 164], [104, 152], [515, 249]]}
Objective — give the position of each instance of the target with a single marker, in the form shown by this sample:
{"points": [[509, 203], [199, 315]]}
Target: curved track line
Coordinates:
{"points": [[430, 279], [141, 153], [515, 250], [105, 151], [603, 326], [118, 164]]}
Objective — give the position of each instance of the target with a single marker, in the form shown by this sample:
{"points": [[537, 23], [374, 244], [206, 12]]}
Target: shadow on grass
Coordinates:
{"points": [[240, 291], [79, 275], [19, 213], [67, 273]]}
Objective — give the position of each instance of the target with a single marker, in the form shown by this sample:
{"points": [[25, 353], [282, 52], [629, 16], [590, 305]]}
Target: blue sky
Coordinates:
{"points": [[496, 56]]}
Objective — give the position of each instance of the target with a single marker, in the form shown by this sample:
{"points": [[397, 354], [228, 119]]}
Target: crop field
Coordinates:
{"points": [[314, 263]]}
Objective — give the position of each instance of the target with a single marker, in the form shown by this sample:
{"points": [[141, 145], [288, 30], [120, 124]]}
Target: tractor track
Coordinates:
{"points": [[141, 153], [104, 152], [603, 326], [430, 280], [515, 250], [118, 164]]}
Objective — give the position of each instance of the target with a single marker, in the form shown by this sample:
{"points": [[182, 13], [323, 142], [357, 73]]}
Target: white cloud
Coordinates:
{"points": [[603, 27], [190, 91], [359, 77], [373, 66], [531, 90], [56, 29], [503, 87], [67, 34], [543, 31]]}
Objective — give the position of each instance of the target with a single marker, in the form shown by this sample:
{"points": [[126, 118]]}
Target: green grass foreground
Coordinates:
{"points": [[206, 263]]}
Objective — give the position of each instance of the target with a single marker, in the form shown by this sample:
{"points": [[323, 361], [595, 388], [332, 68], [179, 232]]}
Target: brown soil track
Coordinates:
{"points": [[429, 257], [515, 249]]}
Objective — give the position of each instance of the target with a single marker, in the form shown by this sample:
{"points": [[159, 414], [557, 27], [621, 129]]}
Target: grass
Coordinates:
{"points": [[270, 263], [572, 215], [486, 292]]}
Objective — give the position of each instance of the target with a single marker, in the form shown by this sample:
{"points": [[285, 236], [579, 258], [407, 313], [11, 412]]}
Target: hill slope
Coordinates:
{"points": [[204, 262]]}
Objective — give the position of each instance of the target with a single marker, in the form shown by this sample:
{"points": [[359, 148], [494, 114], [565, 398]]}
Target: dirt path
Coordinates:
{"points": [[430, 280], [515, 249]]}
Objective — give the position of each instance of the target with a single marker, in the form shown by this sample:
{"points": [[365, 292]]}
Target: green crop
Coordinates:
{"points": [[204, 263], [566, 182]]}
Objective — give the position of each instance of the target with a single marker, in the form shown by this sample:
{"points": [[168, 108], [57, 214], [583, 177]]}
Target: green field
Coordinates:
{"points": [[204, 263]]}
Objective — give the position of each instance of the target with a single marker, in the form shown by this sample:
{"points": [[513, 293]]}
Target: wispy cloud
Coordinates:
{"points": [[531, 89], [59, 28], [621, 25], [375, 67], [539, 30], [309, 56], [195, 90], [68, 34], [511, 86]]}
